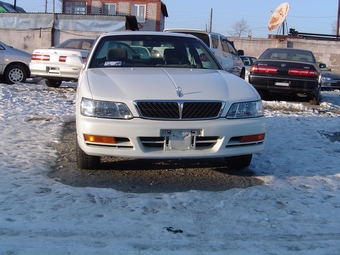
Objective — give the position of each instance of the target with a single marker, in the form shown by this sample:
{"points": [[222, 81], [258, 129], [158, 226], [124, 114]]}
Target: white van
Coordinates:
{"points": [[223, 49]]}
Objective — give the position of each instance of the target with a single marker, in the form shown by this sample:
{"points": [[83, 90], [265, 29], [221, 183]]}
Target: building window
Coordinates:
{"points": [[75, 7], [109, 9], [139, 11]]}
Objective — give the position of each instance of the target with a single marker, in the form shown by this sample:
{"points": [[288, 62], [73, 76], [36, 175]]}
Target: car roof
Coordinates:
{"points": [[190, 30], [289, 49], [146, 33]]}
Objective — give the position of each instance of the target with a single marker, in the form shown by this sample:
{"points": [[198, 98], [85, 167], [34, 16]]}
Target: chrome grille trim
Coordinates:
{"points": [[179, 110]]}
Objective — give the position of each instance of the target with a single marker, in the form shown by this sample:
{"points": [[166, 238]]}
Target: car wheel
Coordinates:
{"points": [[53, 83], [15, 73], [315, 100], [239, 162], [85, 161]]}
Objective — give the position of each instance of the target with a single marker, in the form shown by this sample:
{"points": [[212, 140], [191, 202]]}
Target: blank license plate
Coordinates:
{"points": [[180, 139], [282, 84]]}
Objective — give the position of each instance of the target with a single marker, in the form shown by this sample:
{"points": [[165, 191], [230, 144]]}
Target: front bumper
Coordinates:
{"points": [[141, 138], [330, 85]]}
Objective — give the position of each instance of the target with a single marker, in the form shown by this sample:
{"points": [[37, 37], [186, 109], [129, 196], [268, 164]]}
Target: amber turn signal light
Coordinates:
{"points": [[99, 139], [252, 138]]}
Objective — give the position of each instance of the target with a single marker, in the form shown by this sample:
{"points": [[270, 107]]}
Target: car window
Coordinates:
{"points": [[292, 55], [76, 44], [204, 37], [253, 59], [246, 61], [152, 51], [215, 41], [227, 46]]}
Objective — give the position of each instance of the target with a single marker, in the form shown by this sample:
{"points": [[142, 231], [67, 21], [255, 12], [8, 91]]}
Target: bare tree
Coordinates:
{"points": [[334, 27], [240, 28]]}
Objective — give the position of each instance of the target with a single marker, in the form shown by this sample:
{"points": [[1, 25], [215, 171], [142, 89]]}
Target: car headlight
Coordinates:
{"points": [[326, 78], [245, 110], [104, 109]]}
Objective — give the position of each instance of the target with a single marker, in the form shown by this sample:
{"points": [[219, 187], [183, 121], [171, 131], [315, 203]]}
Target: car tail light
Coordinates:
{"points": [[302, 72], [84, 59], [263, 69], [62, 58], [40, 57]]}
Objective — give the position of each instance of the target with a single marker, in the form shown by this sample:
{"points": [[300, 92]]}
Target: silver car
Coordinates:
{"points": [[13, 64], [248, 61], [222, 48]]}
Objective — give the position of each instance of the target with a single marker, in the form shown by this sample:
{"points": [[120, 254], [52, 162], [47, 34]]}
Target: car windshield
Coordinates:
{"points": [[152, 51], [83, 44], [248, 61], [286, 54]]}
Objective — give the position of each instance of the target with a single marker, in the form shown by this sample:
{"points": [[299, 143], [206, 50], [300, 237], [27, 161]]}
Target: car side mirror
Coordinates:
{"points": [[240, 52], [322, 65]]}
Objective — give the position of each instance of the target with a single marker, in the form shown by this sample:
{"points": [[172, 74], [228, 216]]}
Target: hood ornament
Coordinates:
{"points": [[179, 91]]}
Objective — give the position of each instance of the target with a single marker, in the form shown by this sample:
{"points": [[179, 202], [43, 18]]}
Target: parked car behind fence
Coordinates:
{"points": [[247, 61], [14, 64], [51, 64], [287, 71], [223, 49]]}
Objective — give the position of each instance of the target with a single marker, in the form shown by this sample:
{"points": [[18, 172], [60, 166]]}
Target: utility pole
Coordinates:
{"points": [[211, 13], [46, 6], [338, 20]]}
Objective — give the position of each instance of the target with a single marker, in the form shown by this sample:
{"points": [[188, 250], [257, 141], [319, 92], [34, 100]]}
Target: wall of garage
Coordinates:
{"points": [[29, 31], [325, 51]]}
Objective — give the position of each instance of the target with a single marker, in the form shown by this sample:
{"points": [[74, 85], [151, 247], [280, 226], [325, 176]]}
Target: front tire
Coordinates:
{"points": [[15, 74], [53, 83], [85, 161], [238, 162]]}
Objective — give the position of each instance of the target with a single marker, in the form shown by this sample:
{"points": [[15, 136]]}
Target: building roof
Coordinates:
{"points": [[7, 7]]}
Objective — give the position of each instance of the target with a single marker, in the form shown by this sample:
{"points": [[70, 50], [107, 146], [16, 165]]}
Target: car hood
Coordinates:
{"points": [[124, 84], [330, 74], [16, 55]]}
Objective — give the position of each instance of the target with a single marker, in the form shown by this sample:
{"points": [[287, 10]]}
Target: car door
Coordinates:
{"points": [[230, 52], [2, 62]]}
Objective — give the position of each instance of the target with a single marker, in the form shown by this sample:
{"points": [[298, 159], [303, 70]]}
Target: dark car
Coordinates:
{"points": [[330, 80], [287, 71]]}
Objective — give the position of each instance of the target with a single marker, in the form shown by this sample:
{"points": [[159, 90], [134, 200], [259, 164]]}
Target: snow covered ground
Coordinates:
{"points": [[295, 212]]}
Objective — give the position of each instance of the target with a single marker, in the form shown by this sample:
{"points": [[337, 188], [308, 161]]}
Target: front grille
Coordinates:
{"points": [[158, 143], [175, 110]]}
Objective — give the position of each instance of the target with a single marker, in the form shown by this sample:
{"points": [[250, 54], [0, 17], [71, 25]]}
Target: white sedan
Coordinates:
{"points": [[165, 107], [51, 65]]}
